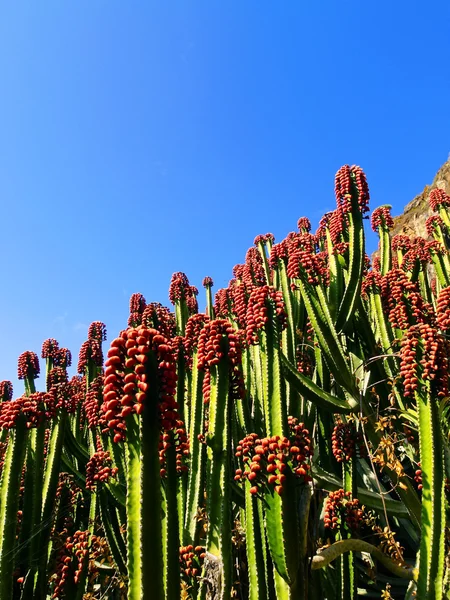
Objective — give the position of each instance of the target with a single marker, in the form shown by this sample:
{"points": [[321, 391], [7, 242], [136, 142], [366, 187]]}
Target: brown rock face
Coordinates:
{"points": [[412, 221]]}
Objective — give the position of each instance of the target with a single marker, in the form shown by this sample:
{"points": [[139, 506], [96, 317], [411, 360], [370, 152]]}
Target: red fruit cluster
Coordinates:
{"points": [[340, 509], [207, 282], [194, 326], [263, 302], [180, 289], [381, 217], [438, 198], [238, 295], [157, 316], [178, 438], [93, 401], [372, 283], [348, 181], [401, 243], [137, 307], [127, 382], [56, 376], [305, 263], [32, 409], [50, 348], [304, 225], [418, 253], [433, 224], [347, 442], [409, 434], [443, 310], [61, 357], [99, 468], [218, 340], [91, 349], [403, 301], [424, 357], [278, 252], [97, 331], [266, 460], [254, 263], [263, 239], [191, 560], [6, 391], [28, 365], [73, 554], [221, 303], [418, 477]]}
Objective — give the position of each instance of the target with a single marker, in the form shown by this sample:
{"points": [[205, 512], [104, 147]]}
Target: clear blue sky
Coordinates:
{"points": [[142, 138]]}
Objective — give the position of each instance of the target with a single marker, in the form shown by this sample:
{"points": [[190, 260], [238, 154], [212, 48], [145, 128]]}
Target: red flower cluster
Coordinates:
{"points": [[304, 225], [56, 376], [443, 310], [50, 348], [73, 554], [194, 326], [191, 560], [180, 289], [263, 303], [218, 340], [424, 357], [178, 438], [157, 316], [127, 381], [438, 198], [6, 391], [339, 509], [268, 238], [91, 349], [32, 409], [61, 357], [434, 223], [255, 268], [347, 442], [403, 301], [99, 468], [372, 283], [137, 307], [381, 217], [28, 365], [304, 261], [97, 331], [348, 181], [207, 282], [93, 401], [266, 460]]}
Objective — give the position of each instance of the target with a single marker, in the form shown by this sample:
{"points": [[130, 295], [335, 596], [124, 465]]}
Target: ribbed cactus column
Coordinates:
{"points": [[218, 353], [139, 406]]}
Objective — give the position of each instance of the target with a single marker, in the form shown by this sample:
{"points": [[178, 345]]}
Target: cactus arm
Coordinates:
{"points": [[171, 540], [133, 503], [335, 288], [328, 340], [352, 290], [274, 384], [9, 495], [198, 456], [255, 543], [111, 526], [432, 547], [312, 392], [218, 494]]}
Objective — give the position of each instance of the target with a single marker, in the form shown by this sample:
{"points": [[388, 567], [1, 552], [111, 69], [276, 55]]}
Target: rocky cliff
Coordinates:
{"points": [[412, 221]]}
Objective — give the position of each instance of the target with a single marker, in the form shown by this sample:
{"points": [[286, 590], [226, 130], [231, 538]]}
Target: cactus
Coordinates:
{"points": [[262, 449]]}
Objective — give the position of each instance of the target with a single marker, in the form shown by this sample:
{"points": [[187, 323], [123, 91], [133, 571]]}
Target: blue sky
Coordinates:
{"points": [[142, 138]]}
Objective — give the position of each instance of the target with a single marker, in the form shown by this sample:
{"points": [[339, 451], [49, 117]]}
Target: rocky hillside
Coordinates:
{"points": [[412, 221]]}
